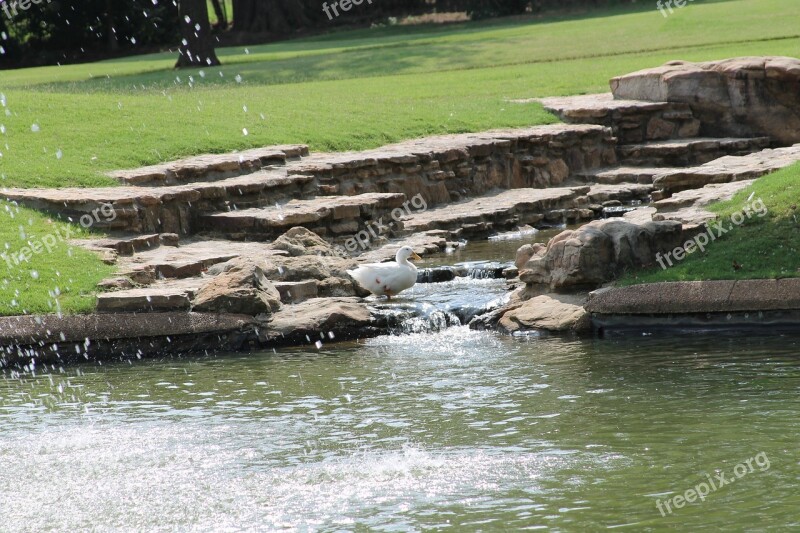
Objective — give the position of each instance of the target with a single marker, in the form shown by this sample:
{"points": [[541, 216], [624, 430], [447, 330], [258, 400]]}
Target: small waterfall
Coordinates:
{"points": [[433, 322], [521, 233], [485, 269], [434, 307], [436, 275], [413, 317]]}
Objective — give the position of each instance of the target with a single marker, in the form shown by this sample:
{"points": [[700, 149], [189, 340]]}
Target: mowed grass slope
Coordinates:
{"points": [[66, 126], [763, 247], [40, 272]]}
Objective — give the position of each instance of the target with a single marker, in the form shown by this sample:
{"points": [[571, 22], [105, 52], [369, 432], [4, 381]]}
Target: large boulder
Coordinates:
{"points": [[301, 241], [549, 312], [241, 288], [741, 97], [322, 319], [309, 258], [600, 251]]}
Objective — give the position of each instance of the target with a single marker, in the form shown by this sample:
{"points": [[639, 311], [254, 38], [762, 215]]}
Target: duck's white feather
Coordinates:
{"points": [[385, 279]]}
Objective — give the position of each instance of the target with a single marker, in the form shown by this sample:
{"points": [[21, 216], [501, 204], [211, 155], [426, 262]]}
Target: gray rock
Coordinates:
{"points": [[550, 312], [300, 241], [600, 251], [743, 96], [317, 319], [242, 288]]}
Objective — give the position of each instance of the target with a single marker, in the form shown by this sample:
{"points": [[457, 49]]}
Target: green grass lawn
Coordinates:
{"points": [[39, 271], [762, 247], [67, 125], [351, 90]]}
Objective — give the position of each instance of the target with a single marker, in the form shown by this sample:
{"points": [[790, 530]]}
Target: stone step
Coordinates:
{"points": [[689, 206], [175, 295], [510, 209], [632, 121], [129, 244], [171, 209], [687, 152], [439, 169], [726, 169], [330, 216], [210, 167], [191, 258], [448, 167], [622, 174]]}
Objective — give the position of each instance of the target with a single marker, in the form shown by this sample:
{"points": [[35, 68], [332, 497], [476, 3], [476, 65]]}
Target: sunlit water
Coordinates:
{"points": [[456, 430]]}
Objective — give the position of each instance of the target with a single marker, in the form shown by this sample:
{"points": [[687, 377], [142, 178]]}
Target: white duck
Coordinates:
{"points": [[388, 279]]}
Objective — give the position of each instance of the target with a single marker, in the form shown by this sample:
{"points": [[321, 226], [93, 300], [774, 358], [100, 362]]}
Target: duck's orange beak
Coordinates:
{"points": [[415, 256]]}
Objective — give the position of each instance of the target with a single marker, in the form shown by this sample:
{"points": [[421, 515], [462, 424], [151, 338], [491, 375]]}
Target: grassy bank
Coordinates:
{"points": [[40, 271], [762, 247]]}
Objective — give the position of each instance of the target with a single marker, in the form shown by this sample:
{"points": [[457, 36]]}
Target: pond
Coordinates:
{"points": [[458, 430]]}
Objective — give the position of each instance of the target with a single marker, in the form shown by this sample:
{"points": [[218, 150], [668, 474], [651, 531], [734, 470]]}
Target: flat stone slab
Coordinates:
{"points": [[624, 174], [622, 192], [83, 199], [26, 330], [549, 312], [189, 259], [598, 105], [692, 147], [441, 147], [697, 297], [317, 320], [728, 169], [504, 208], [209, 166], [312, 212], [148, 299], [688, 206]]}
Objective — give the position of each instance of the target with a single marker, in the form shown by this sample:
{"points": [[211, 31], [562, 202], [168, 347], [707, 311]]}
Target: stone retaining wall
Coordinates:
{"points": [[451, 167], [441, 169]]}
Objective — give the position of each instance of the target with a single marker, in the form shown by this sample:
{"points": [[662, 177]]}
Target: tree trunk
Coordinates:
{"points": [[197, 44]]}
